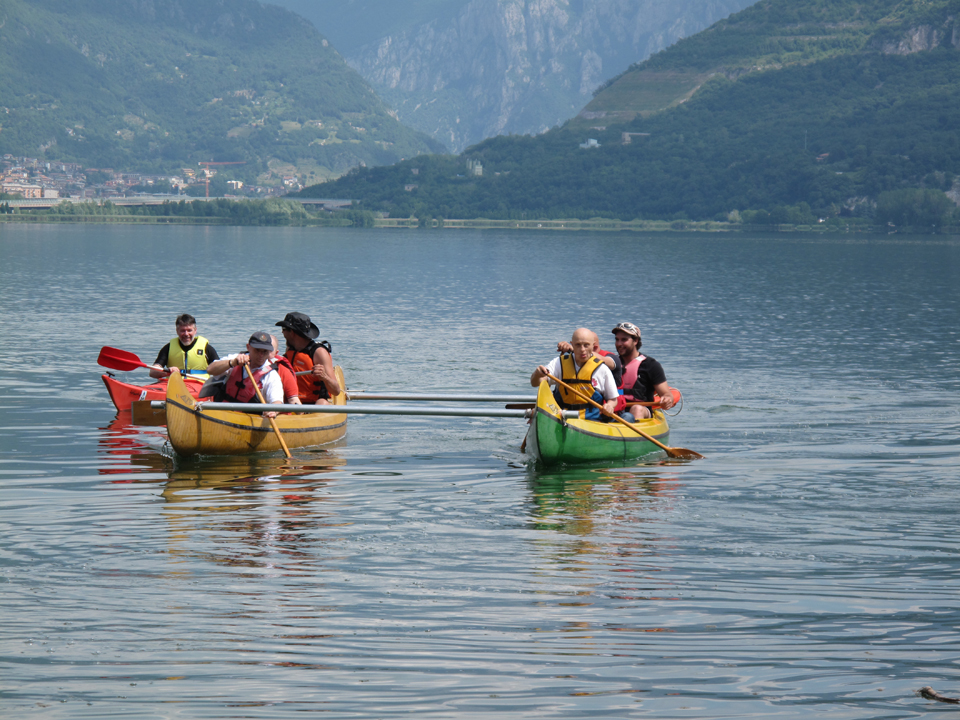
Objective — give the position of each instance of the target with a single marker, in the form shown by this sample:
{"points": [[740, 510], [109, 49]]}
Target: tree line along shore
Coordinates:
{"points": [[915, 211]]}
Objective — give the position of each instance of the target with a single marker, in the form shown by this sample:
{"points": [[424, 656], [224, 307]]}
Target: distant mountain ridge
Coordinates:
{"points": [[792, 111], [149, 85], [472, 69]]}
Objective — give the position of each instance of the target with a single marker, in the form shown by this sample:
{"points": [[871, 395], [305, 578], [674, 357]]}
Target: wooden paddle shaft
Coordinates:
{"points": [[273, 422], [669, 450]]}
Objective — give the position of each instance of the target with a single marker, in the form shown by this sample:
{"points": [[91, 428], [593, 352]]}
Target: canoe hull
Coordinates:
{"points": [[554, 441], [124, 394], [224, 432]]}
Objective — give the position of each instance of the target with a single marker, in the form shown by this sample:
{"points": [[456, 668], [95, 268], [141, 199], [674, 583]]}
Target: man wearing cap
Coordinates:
{"points": [[239, 388], [583, 370], [642, 376], [306, 353], [187, 351]]}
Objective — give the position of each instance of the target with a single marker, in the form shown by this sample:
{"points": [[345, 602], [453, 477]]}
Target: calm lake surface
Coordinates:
{"points": [[808, 567]]}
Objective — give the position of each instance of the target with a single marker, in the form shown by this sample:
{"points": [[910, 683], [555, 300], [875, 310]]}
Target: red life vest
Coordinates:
{"points": [[310, 388], [630, 371], [240, 389]]}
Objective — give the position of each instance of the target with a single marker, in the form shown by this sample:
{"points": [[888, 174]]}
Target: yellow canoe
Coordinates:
{"points": [[209, 431]]}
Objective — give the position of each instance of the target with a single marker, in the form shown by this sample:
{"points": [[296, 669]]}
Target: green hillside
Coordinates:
{"points": [[152, 86], [767, 36], [828, 135]]}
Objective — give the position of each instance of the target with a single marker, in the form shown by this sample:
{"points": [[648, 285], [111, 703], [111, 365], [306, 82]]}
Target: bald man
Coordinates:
{"points": [[583, 370]]}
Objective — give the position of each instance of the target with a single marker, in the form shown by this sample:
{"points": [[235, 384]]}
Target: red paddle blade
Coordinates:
{"points": [[117, 359]]}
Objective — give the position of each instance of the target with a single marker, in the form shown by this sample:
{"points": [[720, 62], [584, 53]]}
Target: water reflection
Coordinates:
{"points": [[571, 500], [261, 508]]}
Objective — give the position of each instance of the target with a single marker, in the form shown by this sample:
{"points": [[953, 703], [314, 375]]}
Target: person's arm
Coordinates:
{"points": [[219, 367], [538, 375], [211, 354], [159, 365], [609, 389], [666, 395], [564, 347], [323, 369]]}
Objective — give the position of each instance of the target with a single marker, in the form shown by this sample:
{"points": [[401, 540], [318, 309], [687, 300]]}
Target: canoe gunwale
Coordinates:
{"points": [[584, 431], [200, 411]]}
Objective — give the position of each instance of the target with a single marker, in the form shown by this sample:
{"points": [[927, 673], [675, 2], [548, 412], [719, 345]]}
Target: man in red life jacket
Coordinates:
{"points": [[642, 376], [304, 352], [288, 378], [239, 387], [583, 370]]}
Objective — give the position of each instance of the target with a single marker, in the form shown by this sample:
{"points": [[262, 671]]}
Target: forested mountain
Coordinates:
{"points": [[151, 85], [465, 70], [814, 109]]}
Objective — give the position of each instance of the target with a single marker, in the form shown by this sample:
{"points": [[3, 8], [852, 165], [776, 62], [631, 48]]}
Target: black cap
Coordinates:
{"points": [[261, 341], [300, 324]]}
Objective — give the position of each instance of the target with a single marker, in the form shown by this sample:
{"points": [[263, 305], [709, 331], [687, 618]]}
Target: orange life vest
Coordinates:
{"points": [[310, 388]]}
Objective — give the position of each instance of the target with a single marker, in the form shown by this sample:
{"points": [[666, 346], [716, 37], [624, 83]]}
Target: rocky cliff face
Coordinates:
{"points": [[520, 66]]}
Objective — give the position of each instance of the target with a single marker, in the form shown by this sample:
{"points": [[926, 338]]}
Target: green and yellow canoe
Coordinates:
{"points": [[554, 440]]}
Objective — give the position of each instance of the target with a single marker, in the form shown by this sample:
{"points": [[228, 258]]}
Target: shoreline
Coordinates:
{"points": [[706, 226]]}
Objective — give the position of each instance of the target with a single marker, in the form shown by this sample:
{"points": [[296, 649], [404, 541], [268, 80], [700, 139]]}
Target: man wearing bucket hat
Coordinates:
{"points": [[642, 376], [306, 353]]}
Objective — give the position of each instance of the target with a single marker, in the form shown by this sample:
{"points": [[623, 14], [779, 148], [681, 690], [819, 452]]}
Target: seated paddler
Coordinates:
{"points": [[239, 385], [583, 370], [187, 351], [305, 353], [642, 376]]}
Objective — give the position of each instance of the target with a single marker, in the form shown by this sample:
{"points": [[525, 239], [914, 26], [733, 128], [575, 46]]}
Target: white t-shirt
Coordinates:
{"points": [[271, 384], [602, 379]]}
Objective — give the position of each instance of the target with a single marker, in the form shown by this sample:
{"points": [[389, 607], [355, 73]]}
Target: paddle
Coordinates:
{"points": [[117, 359], [681, 453], [273, 421]]}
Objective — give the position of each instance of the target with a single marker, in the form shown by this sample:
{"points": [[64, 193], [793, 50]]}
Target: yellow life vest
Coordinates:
{"points": [[579, 380], [194, 359]]}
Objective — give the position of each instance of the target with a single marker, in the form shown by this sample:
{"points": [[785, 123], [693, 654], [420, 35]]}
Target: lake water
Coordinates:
{"points": [[808, 567]]}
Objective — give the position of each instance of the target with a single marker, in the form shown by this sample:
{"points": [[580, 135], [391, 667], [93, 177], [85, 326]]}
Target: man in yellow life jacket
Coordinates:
{"points": [[187, 351], [305, 352], [584, 371]]}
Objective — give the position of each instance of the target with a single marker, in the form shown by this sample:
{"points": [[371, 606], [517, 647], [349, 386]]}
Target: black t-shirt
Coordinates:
{"points": [[164, 353], [618, 370], [649, 375]]}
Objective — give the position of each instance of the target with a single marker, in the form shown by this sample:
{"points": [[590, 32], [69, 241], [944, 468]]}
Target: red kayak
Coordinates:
{"points": [[123, 394]]}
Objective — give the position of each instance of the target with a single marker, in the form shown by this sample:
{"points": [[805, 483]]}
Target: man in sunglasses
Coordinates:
{"points": [[642, 376]]}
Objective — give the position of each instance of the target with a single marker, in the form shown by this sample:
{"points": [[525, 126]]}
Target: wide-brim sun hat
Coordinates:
{"points": [[300, 324]]}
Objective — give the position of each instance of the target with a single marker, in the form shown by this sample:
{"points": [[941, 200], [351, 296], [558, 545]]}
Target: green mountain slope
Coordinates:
{"points": [[768, 36], [152, 85], [820, 137]]}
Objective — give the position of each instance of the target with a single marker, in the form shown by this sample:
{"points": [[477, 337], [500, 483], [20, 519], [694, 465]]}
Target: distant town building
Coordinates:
{"points": [[590, 143], [475, 167]]}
